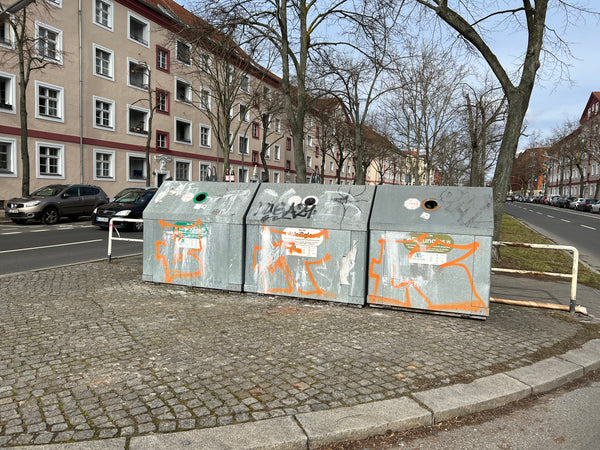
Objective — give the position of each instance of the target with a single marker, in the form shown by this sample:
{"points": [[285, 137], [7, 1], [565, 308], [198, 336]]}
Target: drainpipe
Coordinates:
{"points": [[80, 98]]}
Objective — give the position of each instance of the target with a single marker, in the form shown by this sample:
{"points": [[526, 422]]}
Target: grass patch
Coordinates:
{"points": [[537, 259]]}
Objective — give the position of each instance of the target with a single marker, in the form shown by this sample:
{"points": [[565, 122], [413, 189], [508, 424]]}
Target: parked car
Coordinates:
{"points": [[129, 203], [54, 201], [568, 200], [585, 204], [510, 198], [573, 204], [596, 207]]}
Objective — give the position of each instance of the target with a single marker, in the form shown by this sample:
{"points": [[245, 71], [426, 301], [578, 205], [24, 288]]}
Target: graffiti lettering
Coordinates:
{"points": [[281, 210]]}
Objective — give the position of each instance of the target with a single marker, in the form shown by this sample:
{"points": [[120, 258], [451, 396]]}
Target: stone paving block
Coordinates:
{"points": [[463, 399], [274, 434], [548, 374], [362, 421], [106, 444], [588, 356]]}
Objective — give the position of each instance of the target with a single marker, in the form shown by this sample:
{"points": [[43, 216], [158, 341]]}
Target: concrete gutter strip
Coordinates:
{"points": [[362, 421], [480, 395], [588, 356], [548, 374], [104, 444]]}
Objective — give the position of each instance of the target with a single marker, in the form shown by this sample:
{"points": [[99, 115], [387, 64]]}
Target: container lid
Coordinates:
{"points": [[334, 207], [436, 209]]}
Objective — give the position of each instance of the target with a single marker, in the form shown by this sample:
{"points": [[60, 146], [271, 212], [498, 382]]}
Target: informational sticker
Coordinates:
{"points": [[425, 216], [186, 236], [434, 243], [295, 200], [302, 241], [412, 203], [187, 197], [432, 259]]}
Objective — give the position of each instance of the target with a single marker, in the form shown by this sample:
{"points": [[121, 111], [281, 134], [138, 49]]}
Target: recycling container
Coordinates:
{"points": [[194, 234], [309, 241], [430, 248]]}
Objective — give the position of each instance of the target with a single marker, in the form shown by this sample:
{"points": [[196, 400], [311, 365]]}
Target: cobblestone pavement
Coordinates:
{"points": [[92, 352]]}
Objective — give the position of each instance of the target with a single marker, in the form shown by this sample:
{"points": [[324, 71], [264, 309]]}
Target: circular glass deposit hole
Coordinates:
{"points": [[431, 205], [310, 201], [199, 198]]}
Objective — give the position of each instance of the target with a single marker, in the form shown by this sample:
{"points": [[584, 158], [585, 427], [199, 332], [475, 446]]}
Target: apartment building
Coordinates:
{"points": [[90, 107]]}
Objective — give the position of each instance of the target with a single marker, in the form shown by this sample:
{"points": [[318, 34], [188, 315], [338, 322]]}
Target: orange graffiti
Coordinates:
{"points": [[176, 239], [281, 263], [406, 284]]}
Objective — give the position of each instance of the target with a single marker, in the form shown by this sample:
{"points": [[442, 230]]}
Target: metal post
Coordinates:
{"points": [[574, 280]]}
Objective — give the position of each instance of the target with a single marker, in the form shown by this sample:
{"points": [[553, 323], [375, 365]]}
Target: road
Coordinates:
{"points": [[35, 246], [563, 226]]}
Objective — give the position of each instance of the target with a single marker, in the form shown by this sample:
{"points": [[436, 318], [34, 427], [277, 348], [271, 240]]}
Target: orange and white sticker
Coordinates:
{"points": [[412, 203]]}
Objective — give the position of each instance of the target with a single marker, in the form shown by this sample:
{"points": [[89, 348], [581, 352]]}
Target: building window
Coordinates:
{"points": [[288, 144], [205, 136], [104, 165], [49, 42], [204, 172], [255, 130], [182, 170], [310, 121], [50, 159], [243, 145], [7, 93], [162, 101], [204, 62], [277, 152], [138, 74], [104, 112], [276, 177], [8, 157], [138, 120], [162, 59], [309, 161], [136, 168], [139, 30], [162, 140], [103, 14], [57, 3], [183, 52], [245, 84], [183, 91], [49, 102], [309, 140], [288, 165], [183, 131], [277, 125], [331, 166], [243, 175], [267, 150], [317, 152], [205, 99], [103, 62], [5, 33], [244, 113], [255, 157]]}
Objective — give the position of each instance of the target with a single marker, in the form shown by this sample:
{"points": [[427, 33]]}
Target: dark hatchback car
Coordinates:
{"points": [[52, 202], [127, 204]]}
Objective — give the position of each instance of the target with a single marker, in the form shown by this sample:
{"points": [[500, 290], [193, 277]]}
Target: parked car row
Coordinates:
{"points": [[577, 203], [50, 203]]}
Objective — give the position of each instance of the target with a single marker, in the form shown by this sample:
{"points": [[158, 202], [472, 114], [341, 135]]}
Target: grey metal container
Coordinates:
{"points": [[194, 234], [309, 241], [430, 248]]}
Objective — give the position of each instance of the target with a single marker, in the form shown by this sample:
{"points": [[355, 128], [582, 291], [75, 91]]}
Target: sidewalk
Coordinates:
{"points": [[94, 358]]}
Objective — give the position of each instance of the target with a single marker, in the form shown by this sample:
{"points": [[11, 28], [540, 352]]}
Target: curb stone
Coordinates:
{"points": [[310, 430]]}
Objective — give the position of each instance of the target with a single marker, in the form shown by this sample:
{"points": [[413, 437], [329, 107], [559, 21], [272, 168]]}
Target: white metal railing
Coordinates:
{"points": [[572, 275], [112, 227]]}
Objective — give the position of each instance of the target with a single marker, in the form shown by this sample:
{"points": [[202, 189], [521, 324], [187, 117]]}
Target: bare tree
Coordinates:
{"points": [[145, 72], [427, 107], [32, 53], [357, 76], [484, 111], [474, 22], [452, 159]]}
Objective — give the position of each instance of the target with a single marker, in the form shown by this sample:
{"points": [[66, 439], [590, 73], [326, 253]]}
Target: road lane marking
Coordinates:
{"points": [[50, 246], [548, 215], [565, 220], [590, 228]]}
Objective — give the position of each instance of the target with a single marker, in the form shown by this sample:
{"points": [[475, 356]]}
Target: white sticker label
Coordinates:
{"points": [[433, 259], [302, 241], [412, 203], [187, 197], [425, 215]]}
